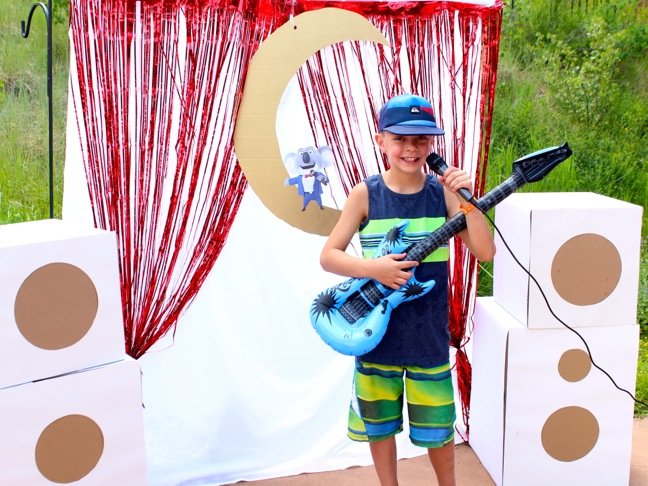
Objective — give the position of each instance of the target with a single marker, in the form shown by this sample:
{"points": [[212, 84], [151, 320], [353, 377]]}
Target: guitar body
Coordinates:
{"points": [[352, 317]]}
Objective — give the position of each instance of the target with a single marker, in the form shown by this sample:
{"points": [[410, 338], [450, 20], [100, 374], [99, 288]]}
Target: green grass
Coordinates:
{"points": [[24, 161], [642, 379], [642, 318]]}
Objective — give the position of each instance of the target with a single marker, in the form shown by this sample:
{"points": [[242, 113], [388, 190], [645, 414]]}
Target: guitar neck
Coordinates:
{"points": [[418, 251]]}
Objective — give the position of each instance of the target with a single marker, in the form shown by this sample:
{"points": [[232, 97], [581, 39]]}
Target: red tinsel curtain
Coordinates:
{"points": [[157, 87], [156, 92], [445, 51]]}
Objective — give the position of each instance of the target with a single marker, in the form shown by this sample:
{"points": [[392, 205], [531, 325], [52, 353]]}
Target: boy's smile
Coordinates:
{"points": [[404, 152]]}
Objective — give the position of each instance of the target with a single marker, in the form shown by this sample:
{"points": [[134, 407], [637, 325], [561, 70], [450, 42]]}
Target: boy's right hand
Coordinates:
{"points": [[391, 270]]}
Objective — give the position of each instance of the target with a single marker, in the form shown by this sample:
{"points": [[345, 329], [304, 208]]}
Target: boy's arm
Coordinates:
{"points": [[477, 236], [390, 270]]}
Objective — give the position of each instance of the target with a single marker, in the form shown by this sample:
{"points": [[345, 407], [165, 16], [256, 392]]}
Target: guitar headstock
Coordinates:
{"points": [[536, 165]]}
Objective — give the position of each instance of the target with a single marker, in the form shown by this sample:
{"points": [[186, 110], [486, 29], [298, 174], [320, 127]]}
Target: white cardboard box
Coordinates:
{"points": [[60, 302], [85, 427], [530, 425], [583, 249]]}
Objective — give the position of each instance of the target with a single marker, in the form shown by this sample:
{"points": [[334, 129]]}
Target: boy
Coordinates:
{"points": [[416, 343]]}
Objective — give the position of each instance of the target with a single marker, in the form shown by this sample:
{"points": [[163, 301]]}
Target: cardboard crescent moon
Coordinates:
{"points": [[271, 69]]}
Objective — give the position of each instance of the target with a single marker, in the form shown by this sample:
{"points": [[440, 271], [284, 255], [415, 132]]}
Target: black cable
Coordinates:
{"points": [[589, 353]]}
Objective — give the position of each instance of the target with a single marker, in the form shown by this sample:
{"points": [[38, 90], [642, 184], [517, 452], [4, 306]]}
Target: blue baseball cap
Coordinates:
{"points": [[408, 114]]}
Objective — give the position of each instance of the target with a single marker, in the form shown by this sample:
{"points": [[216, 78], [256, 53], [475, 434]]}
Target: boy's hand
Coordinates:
{"points": [[454, 179], [391, 270]]}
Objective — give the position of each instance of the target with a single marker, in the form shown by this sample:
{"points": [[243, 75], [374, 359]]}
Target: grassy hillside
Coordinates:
{"points": [[578, 75], [565, 74], [582, 76], [24, 162]]}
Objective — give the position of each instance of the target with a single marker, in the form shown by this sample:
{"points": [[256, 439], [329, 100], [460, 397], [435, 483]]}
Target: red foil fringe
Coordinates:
{"points": [[172, 199]]}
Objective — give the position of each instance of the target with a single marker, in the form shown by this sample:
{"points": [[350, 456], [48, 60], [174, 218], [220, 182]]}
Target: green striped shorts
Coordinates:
{"points": [[376, 410]]}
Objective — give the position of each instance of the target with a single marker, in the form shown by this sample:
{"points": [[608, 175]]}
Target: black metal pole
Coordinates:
{"points": [[47, 9]]}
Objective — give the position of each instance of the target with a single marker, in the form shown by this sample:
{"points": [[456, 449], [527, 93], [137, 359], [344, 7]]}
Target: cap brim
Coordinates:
{"points": [[414, 130]]}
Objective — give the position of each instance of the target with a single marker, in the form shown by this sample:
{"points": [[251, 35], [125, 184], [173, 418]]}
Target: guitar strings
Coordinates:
{"points": [[589, 353]]}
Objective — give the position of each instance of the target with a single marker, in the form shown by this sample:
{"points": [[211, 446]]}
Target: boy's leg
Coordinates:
{"points": [[430, 401], [383, 453], [375, 414], [443, 462]]}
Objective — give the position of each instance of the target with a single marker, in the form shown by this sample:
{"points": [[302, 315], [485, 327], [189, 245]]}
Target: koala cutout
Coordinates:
{"points": [[306, 164]]}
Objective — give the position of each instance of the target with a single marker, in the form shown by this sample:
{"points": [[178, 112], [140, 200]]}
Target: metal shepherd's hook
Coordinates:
{"points": [[47, 9]]}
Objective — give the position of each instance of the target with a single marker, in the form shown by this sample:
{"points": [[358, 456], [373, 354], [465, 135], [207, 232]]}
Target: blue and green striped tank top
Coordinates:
{"points": [[417, 334]]}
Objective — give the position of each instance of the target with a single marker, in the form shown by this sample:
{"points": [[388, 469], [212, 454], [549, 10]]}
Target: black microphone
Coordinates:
{"points": [[438, 165]]}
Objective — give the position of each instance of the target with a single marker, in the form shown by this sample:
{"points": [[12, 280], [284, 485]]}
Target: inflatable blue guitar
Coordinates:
{"points": [[352, 317]]}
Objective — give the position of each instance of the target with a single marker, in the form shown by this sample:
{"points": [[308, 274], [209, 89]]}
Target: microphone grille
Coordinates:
{"points": [[436, 163]]}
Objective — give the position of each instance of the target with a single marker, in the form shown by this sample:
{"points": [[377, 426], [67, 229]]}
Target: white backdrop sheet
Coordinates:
{"points": [[248, 390], [245, 389]]}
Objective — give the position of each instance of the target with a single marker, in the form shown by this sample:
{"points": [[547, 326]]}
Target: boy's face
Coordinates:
{"points": [[405, 152]]}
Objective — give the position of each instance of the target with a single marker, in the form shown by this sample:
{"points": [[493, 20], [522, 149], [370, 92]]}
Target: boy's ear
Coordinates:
{"points": [[380, 140]]}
